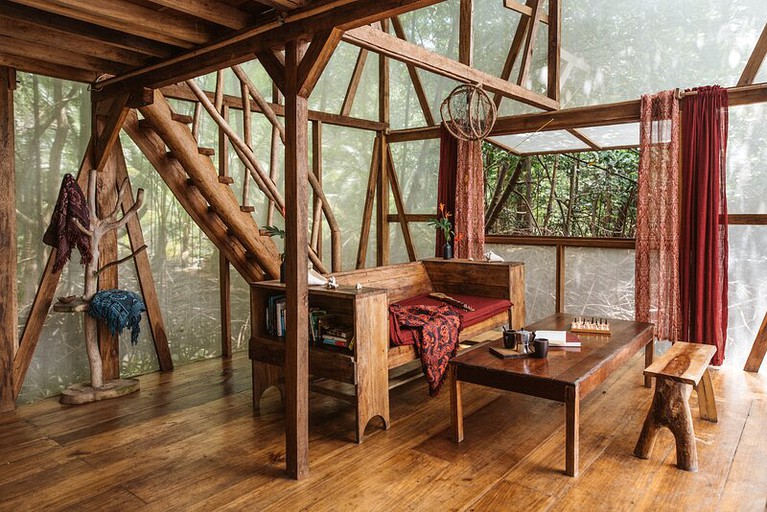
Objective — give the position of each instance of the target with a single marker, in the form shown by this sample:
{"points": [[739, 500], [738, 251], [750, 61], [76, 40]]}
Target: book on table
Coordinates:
{"points": [[559, 339]]}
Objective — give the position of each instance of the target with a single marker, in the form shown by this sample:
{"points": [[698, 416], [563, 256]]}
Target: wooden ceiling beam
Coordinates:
{"points": [[53, 54], [46, 68], [272, 32], [284, 5], [390, 46], [316, 58], [755, 60], [85, 30], [177, 30], [29, 32], [214, 11]]}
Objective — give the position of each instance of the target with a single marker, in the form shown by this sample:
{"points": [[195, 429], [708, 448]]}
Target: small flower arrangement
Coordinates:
{"points": [[443, 222]]}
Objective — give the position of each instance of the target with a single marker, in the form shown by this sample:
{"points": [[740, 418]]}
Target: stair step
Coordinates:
{"points": [[226, 180], [206, 151], [181, 118], [247, 209]]}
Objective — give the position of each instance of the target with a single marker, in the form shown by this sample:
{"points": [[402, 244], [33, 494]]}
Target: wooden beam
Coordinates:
{"points": [[317, 57], [354, 82], [263, 105], [367, 211], [412, 217], [173, 29], [552, 241], [64, 41], [271, 32], [390, 46], [524, 9], [527, 52], [466, 33], [274, 64], [561, 279], [382, 192], [316, 230], [110, 132], [54, 54], [516, 45], [296, 214], [758, 349], [214, 11], [555, 49], [182, 92], [224, 275], [45, 68], [9, 310], [755, 60], [93, 33], [583, 138], [400, 204], [414, 78]]}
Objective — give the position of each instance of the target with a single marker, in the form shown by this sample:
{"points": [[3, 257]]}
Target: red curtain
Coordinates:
{"points": [[461, 189], [703, 247], [448, 164]]}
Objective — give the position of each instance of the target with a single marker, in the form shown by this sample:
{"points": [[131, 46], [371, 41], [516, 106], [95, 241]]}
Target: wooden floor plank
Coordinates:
{"points": [[189, 441]]}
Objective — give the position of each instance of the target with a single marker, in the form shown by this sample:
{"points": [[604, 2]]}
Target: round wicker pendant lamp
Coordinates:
{"points": [[468, 112]]}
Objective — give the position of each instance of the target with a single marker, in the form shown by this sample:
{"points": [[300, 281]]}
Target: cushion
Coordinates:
{"points": [[484, 308]]}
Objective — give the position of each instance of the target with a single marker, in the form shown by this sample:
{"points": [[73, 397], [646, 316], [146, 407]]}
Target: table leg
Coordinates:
{"points": [[456, 405], [572, 435], [649, 353]]}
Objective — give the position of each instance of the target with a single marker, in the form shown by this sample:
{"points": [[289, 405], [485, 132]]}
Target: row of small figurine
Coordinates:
{"points": [[585, 324]]}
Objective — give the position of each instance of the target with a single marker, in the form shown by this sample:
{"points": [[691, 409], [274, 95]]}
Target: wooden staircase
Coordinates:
{"points": [[168, 143]]}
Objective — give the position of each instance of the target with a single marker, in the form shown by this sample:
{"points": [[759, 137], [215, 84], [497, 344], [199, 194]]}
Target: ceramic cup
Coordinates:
{"points": [[509, 341], [541, 348]]}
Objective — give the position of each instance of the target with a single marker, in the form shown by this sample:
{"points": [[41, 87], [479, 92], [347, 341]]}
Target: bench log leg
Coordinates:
{"points": [[649, 354], [670, 408], [572, 432], [265, 376], [706, 402], [456, 406]]}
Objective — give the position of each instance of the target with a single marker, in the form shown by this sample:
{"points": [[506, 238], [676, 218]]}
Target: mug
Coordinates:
{"points": [[509, 340], [541, 348]]}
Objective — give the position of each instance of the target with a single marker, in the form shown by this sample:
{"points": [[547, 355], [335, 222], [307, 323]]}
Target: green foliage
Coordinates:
{"points": [[589, 194], [443, 222], [274, 231]]}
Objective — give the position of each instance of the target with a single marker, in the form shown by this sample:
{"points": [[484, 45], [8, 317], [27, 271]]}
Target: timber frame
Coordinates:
{"points": [[125, 50]]}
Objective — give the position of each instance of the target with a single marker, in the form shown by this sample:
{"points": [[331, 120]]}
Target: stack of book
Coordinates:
{"points": [[275, 315], [325, 330], [335, 331]]}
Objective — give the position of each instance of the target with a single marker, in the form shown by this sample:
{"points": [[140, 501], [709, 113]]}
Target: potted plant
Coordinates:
{"points": [[275, 231], [443, 222]]}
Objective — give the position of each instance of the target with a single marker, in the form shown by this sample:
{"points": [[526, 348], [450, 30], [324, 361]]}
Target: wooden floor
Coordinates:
{"points": [[189, 441]]}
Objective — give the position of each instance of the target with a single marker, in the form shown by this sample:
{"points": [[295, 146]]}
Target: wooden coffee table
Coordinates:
{"points": [[566, 375]]}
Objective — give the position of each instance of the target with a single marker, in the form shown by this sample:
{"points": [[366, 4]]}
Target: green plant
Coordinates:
{"points": [[443, 222], [274, 231]]}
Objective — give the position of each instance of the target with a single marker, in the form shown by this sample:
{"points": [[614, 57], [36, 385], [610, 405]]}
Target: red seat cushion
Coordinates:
{"points": [[484, 308]]}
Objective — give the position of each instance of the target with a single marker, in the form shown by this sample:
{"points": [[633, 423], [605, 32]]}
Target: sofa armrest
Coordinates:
{"points": [[503, 280]]}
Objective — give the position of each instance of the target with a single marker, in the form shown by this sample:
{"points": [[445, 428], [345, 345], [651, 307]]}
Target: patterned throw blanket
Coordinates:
{"points": [[63, 234], [118, 309], [436, 329]]}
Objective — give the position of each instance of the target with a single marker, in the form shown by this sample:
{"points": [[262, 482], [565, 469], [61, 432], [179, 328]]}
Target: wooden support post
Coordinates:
{"points": [[400, 204], [466, 33], [9, 315], [561, 278], [296, 191], [317, 206], [367, 212], [354, 82], [277, 137], [759, 349], [527, 53], [224, 277], [555, 48], [382, 195], [755, 60]]}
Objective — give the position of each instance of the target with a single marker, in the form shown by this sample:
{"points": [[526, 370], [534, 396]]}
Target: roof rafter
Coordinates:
{"points": [[755, 60], [210, 10]]}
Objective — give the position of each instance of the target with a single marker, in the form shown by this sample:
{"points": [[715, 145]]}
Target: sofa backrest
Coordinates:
{"points": [[401, 281]]}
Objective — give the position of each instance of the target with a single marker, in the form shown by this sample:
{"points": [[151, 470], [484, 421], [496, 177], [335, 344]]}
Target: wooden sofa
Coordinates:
{"points": [[362, 377]]}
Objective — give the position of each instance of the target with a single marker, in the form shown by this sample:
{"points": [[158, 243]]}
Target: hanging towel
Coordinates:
{"points": [[118, 309], [62, 234]]}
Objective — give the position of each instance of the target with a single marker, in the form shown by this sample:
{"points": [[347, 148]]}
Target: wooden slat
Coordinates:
{"points": [[64, 41], [415, 79], [45, 68], [144, 270], [516, 45], [683, 362], [94, 33], [382, 191], [177, 30], [110, 132], [382, 43], [607, 243], [527, 52], [274, 64], [297, 342], [755, 60], [758, 349], [524, 9], [354, 82], [367, 212], [9, 316], [412, 217], [747, 219], [316, 230], [263, 105], [466, 33], [224, 276], [214, 11], [400, 204], [555, 49], [561, 279], [273, 31]]}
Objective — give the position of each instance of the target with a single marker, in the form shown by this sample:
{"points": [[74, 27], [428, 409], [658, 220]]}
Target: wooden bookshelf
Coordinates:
{"points": [[364, 367]]}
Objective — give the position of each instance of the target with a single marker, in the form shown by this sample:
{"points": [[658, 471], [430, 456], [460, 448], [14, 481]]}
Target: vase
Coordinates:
{"points": [[447, 251], [282, 271]]}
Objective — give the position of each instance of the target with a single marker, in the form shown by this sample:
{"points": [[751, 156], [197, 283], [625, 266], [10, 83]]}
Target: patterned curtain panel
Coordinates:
{"points": [[470, 201], [703, 256], [657, 232]]}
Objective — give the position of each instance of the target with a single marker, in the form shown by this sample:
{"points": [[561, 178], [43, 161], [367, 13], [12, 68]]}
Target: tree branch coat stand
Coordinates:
{"points": [[97, 388]]}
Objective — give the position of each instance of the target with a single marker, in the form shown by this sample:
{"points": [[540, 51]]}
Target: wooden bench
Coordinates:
{"points": [[365, 375], [683, 367]]}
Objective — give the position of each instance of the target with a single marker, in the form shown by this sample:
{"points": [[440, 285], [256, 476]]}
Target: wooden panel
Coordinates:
{"points": [[382, 43], [400, 281], [322, 363], [9, 315], [683, 362], [220, 13]]}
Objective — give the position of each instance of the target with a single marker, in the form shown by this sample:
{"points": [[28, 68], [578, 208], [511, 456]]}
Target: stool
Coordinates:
{"points": [[676, 372]]}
